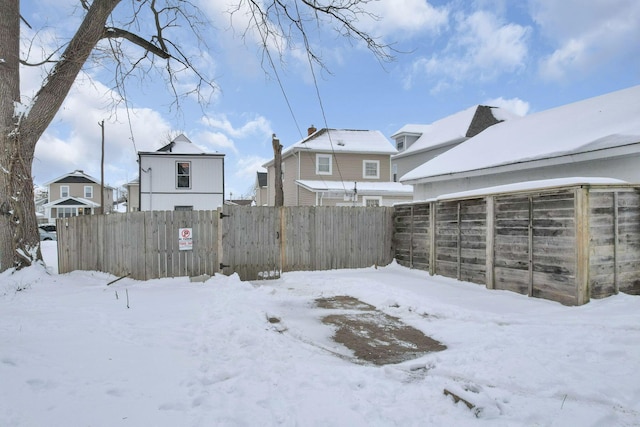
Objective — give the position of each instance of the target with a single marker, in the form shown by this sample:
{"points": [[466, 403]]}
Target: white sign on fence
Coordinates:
{"points": [[185, 239]]}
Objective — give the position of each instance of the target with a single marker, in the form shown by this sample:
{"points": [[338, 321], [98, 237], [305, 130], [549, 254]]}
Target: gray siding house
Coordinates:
{"points": [[76, 193], [338, 167]]}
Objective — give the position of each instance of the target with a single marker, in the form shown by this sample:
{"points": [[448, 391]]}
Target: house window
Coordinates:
{"points": [[183, 176], [66, 212], [400, 143], [371, 169], [371, 202], [394, 168], [88, 191], [323, 164], [183, 208], [64, 191]]}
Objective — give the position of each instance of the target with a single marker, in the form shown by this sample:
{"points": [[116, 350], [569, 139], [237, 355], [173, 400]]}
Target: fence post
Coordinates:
{"points": [[490, 262]]}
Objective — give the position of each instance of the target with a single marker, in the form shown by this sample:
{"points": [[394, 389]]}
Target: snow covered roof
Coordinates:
{"points": [[453, 128], [181, 145], [363, 187], [598, 123], [342, 141], [77, 176]]}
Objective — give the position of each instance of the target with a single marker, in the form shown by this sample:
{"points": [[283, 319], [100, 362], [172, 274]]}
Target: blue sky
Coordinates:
{"points": [[526, 56]]}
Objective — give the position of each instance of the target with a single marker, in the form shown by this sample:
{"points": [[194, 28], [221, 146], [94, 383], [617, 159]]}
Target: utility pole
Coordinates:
{"points": [[277, 166], [101, 124]]}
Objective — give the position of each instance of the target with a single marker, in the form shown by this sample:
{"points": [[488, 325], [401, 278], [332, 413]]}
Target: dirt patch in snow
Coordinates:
{"points": [[372, 335]]}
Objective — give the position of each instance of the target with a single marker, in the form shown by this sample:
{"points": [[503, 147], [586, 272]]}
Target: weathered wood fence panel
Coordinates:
{"points": [[250, 241], [614, 230], [564, 244], [254, 242], [142, 245], [261, 242]]}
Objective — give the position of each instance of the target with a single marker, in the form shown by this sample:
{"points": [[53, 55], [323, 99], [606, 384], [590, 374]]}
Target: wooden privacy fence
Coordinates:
{"points": [[566, 244], [141, 245], [254, 242]]}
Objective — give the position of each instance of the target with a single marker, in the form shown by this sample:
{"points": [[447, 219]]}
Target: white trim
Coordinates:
{"points": [[62, 195], [364, 169], [85, 192], [324, 156]]}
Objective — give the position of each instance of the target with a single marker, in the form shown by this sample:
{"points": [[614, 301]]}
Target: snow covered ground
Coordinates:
{"points": [[76, 352]]}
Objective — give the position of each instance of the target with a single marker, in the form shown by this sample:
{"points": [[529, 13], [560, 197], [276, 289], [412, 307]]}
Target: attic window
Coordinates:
{"points": [[400, 143], [183, 176]]}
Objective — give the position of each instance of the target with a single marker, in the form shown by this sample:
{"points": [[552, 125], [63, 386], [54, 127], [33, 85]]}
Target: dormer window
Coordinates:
{"points": [[400, 143]]}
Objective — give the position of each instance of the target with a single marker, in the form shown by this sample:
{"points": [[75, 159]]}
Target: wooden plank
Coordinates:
{"points": [[581, 284]]}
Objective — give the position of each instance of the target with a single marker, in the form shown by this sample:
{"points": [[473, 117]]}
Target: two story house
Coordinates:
{"points": [[338, 167], [419, 143], [179, 176], [76, 193]]}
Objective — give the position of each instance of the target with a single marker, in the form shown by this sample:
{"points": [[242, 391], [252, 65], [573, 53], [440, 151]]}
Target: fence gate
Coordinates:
{"points": [[250, 239]]}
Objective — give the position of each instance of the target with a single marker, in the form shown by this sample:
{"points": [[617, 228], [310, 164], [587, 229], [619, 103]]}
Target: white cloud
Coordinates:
{"points": [[74, 140], [586, 35], [515, 105], [481, 48], [218, 140], [246, 167], [402, 18], [257, 125]]}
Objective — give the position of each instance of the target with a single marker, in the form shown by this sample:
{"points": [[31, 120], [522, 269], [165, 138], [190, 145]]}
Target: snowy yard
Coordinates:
{"points": [[204, 354]]}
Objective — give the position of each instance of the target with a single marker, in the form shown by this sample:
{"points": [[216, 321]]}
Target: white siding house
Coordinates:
{"points": [[597, 137], [180, 176]]}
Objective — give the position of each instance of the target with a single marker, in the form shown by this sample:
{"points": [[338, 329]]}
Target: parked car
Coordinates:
{"points": [[48, 232]]}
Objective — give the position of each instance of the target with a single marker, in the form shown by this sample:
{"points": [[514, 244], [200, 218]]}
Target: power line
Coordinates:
{"points": [[315, 83]]}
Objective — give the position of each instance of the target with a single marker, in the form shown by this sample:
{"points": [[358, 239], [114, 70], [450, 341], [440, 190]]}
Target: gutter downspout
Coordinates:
{"points": [[148, 170]]}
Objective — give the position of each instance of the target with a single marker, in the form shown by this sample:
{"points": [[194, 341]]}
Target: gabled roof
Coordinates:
{"points": [[593, 125], [372, 188], [72, 201], [451, 129], [181, 145], [76, 176], [342, 141]]}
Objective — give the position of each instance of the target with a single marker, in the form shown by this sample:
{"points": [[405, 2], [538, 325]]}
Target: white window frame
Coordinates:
{"points": [[66, 212], [62, 191], [324, 156], [90, 188], [364, 169], [365, 199], [178, 175], [400, 143]]}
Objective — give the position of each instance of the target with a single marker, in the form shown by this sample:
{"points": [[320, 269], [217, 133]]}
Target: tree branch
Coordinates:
{"points": [[111, 32]]}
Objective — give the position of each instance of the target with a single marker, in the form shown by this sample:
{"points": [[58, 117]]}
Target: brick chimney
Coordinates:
{"points": [[311, 130]]}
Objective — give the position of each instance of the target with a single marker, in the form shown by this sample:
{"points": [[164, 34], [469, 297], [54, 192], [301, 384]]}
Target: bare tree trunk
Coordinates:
{"points": [[277, 166], [22, 125]]}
